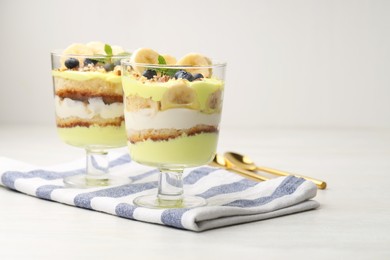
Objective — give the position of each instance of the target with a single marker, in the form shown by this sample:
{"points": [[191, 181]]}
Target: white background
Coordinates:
{"points": [[290, 63]]}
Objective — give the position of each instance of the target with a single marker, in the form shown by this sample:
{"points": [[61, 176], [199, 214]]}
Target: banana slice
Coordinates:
{"points": [[136, 103], [117, 49], [195, 59], [76, 49], [144, 55], [179, 95], [97, 47], [169, 59], [214, 102]]}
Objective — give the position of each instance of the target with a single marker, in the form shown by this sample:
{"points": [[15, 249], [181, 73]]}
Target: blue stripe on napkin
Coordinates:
{"points": [[197, 174], [9, 177], [120, 160], [288, 186], [173, 217], [44, 192], [143, 175], [84, 200], [125, 210], [228, 188]]}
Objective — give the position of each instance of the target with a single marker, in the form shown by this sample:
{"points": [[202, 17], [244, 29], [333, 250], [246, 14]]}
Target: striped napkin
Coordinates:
{"points": [[231, 198]]}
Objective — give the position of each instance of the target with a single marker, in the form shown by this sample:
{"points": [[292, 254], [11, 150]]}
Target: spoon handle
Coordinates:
{"points": [[320, 184], [248, 174]]}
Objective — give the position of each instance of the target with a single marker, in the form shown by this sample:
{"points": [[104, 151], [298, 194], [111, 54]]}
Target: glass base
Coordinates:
{"points": [[81, 181], [153, 202]]}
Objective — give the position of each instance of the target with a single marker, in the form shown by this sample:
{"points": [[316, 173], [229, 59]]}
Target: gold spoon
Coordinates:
{"points": [[220, 161], [244, 162]]}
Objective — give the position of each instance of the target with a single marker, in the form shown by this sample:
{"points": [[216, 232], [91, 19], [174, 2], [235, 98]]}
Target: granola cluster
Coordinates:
{"points": [[94, 68]]}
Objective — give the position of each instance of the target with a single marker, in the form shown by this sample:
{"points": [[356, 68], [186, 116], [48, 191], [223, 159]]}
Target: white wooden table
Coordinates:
{"points": [[353, 221]]}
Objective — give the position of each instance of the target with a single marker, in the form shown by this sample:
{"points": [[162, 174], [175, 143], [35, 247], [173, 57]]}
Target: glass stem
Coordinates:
{"points": [[97, 163], [170, 188]]}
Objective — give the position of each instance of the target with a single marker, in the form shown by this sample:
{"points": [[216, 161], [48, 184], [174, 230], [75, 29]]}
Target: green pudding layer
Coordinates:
{"points": [[184, 151], [155, 90], [83, 75], [94, 136]]}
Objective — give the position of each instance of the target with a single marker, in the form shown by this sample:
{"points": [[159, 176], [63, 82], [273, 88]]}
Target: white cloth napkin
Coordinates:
{"points": [[231, 198]]}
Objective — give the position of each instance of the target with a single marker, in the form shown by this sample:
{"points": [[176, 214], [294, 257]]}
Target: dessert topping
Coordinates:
{"points": [[169, 59], [195, 59], [198, 65], [144, 55], [109, 67], [182, 74], [149, 74], [198, 76], [72, 63], [90, 61], [101, 57]]}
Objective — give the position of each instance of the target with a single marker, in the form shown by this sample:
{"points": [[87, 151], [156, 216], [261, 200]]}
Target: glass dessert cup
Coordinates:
{"points": [[172, 123], [89, 112]]}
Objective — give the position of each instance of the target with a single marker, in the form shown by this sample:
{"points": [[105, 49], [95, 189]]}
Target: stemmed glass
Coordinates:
{"points": [[89, 112], [172, 115]]}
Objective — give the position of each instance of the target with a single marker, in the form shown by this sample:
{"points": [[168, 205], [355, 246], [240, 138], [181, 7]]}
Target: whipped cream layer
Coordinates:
{"points": [[179, 118], [95, 107]]}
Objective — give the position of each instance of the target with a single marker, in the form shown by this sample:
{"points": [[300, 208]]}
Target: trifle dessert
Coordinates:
{"points": [[172, 108], [88, 95], [89, 105], [172, 113]]}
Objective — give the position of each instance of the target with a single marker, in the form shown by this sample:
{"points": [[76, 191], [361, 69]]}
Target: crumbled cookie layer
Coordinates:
{"points": [[96, 121], [171, 133], [84, 96], [95, 87]]}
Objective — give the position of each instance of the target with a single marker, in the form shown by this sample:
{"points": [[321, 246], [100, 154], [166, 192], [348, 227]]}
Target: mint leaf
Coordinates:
{"points": [[161, 60], [165, 71], [168, 72], [101, 60], [108, 49], [108, 57]]}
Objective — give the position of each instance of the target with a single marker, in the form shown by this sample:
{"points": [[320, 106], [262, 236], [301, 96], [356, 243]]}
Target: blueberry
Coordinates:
{"points": [[182, 74], [72, 63], [109, 66], [149, 74], [90, 61], [198, 76]]}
